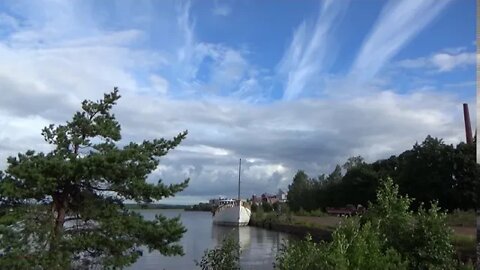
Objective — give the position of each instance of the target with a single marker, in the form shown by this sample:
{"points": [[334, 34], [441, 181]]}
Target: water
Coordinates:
{"points": [[258, 246]]}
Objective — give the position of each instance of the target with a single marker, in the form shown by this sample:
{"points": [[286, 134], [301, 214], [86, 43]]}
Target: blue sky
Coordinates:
{"points": [[285, 84], [253, 38]]}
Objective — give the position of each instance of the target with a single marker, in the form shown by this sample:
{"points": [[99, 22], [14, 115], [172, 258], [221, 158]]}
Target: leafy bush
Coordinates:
{"points": [[299, 255], [353, 247], [267, 207], [302, 212], [224, 257], [424, 238], [388, 236], [317, 213], [254, 207], [276, 206]]}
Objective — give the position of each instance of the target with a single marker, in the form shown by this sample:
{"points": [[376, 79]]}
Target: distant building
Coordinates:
{"points": [[216, 201], [269, 198], [282, 196], [256, 200]]}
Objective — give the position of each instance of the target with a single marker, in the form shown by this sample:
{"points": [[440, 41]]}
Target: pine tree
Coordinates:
{"points": [[64, 209]]}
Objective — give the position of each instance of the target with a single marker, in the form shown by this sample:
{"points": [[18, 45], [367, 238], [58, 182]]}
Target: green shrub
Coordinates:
{"points": [[317, 213], [267, 207], [301, 212], [224, 257], [259, 214], [276, 206], [254, 207], [425, 238], [388, 236], [353, 247], [299, 255]]}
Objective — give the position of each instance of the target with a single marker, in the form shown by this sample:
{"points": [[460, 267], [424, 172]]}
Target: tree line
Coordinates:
{"points": [[429, 171]]}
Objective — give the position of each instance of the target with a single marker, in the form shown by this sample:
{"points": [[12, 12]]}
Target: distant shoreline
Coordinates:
{"points": [[156, 206]]}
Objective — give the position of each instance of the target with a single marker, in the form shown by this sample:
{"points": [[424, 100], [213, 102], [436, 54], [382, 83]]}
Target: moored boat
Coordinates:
{"points": [[232, 212], [236, 213]]}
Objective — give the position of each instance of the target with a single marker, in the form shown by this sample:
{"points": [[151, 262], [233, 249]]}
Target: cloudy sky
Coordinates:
{"points": [[285, 85]]}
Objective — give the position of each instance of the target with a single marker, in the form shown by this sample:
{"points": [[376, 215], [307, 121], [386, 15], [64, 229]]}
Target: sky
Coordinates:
{"points": [[284, 85]]}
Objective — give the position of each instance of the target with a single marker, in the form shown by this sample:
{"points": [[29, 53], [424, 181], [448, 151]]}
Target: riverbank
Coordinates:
{"points": [[318, 234], [321, 229]]}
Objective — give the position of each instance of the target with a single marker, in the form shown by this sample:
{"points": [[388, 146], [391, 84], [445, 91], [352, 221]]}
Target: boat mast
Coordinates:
{"points": [[239, 169]]}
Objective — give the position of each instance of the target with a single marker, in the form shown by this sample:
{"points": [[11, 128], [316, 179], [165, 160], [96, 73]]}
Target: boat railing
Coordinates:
{"points": [[229, 205]]}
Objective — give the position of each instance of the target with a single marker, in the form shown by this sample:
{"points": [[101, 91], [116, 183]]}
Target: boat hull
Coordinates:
{"points": [[232, 216]]}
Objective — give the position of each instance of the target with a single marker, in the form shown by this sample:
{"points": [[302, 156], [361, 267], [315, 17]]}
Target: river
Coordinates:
{"points": [[258, 246]]}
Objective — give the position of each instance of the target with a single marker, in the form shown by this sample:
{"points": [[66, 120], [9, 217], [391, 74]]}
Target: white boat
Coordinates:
{"points": [[232, 212]]}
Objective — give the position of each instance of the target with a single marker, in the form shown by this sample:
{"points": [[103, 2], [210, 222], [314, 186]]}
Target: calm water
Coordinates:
{"points": [[258, 246]]}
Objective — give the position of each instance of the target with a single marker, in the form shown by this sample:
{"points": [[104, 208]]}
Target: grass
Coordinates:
{"points": [[461, 218], [464, 246], [314, 213], [466, 242], [310, 221]]}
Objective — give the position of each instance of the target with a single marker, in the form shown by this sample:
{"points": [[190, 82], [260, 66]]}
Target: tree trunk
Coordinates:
{"points": [[59, 210]]}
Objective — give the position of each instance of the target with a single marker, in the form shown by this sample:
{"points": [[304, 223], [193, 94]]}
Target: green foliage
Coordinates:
{"points": [[352, 247], [430, 171], [276, 206], [358, 186], [424, 238], [467, 177], [254, 207], [434, 170], [300, 255], [425, 172], [353, 162], [267, 207], [224, 257], [200, 207], [389, 236], [66, 205], [297, 190]]}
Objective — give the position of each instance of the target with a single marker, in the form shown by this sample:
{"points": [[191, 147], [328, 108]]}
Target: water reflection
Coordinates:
{"points": [[241, 235], [258, 246]]}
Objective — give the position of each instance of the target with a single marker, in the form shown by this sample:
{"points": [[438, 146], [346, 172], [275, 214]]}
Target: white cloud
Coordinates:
{"points": [[447, 62], [210, 69], [124, 37], [19, 134], [44, 83], [222, 10], [398, 23], [159, 84], [441, 62], [309, 49], [205, 150]]}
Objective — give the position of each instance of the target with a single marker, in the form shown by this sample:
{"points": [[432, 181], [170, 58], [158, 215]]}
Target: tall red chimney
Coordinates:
{"points": [[468, 127]]}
